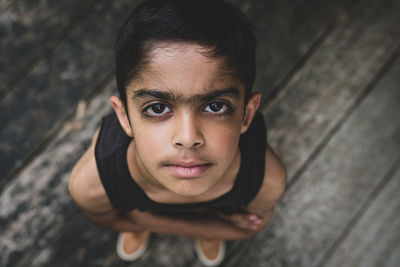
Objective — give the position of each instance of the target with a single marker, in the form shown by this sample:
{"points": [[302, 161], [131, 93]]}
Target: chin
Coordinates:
{"points": [[189, 188]]}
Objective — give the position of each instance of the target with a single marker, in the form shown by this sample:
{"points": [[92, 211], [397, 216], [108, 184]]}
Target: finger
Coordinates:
{"points": [[254, 219]]}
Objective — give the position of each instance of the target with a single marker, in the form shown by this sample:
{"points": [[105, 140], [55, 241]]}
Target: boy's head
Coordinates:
{"points": [[214, 24], [185, 69]]}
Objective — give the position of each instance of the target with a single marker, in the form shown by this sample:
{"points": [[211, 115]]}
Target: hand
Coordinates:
{"points": [[244, 221]]}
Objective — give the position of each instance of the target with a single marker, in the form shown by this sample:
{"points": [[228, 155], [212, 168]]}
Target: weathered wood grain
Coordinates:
{"points": [[374, 240], [30, 113], [333, 79], [4, 4], [28, 28], [287, 34], [45, 220], [319, 206], [35, 207]]}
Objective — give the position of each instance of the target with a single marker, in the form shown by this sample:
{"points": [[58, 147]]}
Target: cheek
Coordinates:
{"points": [[223, 140], [151, 143]]}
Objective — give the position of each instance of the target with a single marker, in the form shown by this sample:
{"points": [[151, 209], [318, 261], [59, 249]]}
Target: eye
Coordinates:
{"points": [[157, 110], [217, 108]]}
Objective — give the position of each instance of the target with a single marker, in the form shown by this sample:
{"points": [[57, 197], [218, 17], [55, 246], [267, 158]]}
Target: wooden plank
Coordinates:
{"points": [[36, 206], [285, 35], [375, 239], [334, 78], [49, 93], [319, 206], [29, 28], [51, 215]]}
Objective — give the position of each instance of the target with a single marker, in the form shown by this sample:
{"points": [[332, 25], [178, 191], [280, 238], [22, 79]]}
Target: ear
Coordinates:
{"points": [[119, 109], [250, 111]]}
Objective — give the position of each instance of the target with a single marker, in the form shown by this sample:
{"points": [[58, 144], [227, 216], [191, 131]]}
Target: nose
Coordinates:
{"points": [[187, 132]]}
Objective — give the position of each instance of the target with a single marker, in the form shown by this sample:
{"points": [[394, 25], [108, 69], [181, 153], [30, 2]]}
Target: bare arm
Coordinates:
{"points": [[271, 191], [200, 225], [259, 212]]}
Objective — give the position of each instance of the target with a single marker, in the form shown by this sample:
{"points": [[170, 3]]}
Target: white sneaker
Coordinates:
{"points": [[206, 261], [131, 256]]}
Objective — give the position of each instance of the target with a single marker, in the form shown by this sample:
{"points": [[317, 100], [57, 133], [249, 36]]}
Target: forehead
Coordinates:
{"points": [[185, 69]]}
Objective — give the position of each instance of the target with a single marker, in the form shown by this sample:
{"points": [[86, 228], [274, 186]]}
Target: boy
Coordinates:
{"points": [[185, 150]]}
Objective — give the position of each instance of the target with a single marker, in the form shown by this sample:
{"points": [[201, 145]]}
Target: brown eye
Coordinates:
{"points": [[157, 109], [216, 107]]}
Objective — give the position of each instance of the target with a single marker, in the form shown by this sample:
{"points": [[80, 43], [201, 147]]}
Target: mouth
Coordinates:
{"points": [[188, 169]]}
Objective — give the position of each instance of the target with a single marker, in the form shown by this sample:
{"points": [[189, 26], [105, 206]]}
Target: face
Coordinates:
{"points": [[186, 115]]}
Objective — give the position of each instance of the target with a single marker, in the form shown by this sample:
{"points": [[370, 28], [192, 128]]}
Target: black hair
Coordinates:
{"points": [[214, 24]]}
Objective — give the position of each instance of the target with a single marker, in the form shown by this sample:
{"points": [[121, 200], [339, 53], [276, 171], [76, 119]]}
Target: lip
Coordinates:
{"points": [[188, 169]]}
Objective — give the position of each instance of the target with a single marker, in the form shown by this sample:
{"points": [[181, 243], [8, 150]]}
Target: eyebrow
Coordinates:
{"points": [[168, 96]]}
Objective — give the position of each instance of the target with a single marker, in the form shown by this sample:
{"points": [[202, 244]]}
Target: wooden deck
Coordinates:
{"points": [[329, 72]]}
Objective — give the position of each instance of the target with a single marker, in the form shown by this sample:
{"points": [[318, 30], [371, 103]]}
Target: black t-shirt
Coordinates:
{"points": [[126, 195]]}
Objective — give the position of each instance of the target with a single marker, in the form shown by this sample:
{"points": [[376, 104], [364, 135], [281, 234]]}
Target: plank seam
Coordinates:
{"points": [[47, 48], [358, 215], [339, 123], [303, 60], [297, 66], [53, 133]]}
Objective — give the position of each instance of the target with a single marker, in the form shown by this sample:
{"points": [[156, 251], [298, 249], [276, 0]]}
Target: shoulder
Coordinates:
{"points": [[84, 183], [273, 186]]}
